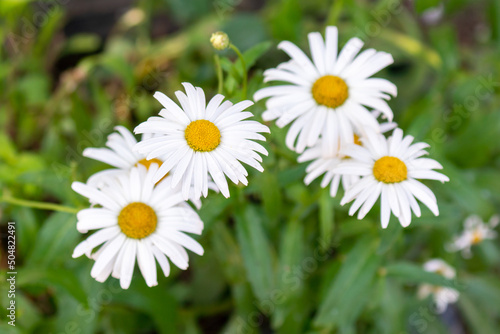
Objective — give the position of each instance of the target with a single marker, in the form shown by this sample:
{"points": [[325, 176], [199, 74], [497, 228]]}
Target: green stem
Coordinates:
{"points": [[334, 13], [244, 66], [220, 77], [38, 205]]}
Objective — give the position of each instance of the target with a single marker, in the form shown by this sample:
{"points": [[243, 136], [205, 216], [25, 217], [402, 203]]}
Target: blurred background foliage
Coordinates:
{"points": [[280, 257]]}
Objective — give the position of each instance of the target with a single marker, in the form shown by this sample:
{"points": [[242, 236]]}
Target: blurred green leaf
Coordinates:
{"points": [[227, 252], [478, 321], [326, 218], [52, 277], [55, 241], [422, 5], [348, 292], [271, 194], [412, 273], [256, 251]]}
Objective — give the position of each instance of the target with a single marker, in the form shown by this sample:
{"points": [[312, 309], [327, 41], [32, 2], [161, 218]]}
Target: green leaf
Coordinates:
{"points": [[82, 43], [291, 273], [157, 302], [478, 320], [72, 316], [271, 194], [52, 277], [389, 236], [27, 230], [348, 293], [256, 251], [254, 53], [8, 329], [422, 5], [485, 291], [326, 218], [227, 252], [55, 241], [411, 273]]}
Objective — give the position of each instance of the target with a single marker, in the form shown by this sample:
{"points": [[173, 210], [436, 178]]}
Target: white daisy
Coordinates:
{"points": [[475, 231], [120, 154], [137, 218], [330, 95], [325, 164], [326, 158], [389, 168], [442, 296], [198, 140]]}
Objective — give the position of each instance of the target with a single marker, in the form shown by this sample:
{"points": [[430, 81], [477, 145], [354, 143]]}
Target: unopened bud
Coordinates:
{"points": [[219, 40]]}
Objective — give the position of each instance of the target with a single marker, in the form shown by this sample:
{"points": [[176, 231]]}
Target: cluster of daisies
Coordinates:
{"points": [[144, 207], [333, 106], [140, 207], [475, 232]]}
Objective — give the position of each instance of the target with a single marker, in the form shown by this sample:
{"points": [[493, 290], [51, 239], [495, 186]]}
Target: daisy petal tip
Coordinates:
{"points": [[283, 44], [86, 152], [225, 193], [77, 186], [158, 95], [332, 29], [125, 284], [82, 230], [188, 85], [384, 224]]}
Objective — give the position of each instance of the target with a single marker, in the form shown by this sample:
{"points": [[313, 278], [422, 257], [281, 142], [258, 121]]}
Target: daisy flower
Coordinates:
{"points": [[329, 95], [137, 218], [442, 296], [389, 169], [325, 164], [120, 154], [198, 140], [325, 158], [475, 231]]}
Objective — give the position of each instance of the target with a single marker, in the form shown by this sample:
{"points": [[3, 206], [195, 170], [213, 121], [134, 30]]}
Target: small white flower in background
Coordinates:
{"points": [[119, 153], [442, 296], [329, 96], [475, 231], [137, 218], [325, 158], [389, 169], [200, 139]]}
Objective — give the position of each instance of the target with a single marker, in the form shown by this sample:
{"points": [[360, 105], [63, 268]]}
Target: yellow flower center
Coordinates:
{"points": [[330, 91], [476, 237], [137, 220], [390, 170], [440, 271], [356, 140], [202, 135], [147, 163]]}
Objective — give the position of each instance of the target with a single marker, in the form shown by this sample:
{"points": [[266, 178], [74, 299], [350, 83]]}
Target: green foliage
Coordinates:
{"points": [[280, 256]]}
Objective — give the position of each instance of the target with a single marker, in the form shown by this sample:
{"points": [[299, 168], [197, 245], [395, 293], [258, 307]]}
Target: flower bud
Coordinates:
{"points": [[219, 40]]}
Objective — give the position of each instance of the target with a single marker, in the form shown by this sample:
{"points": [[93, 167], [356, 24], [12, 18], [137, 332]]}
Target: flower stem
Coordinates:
{"points": [[38, 205], [244, 67], [220, 75]]}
